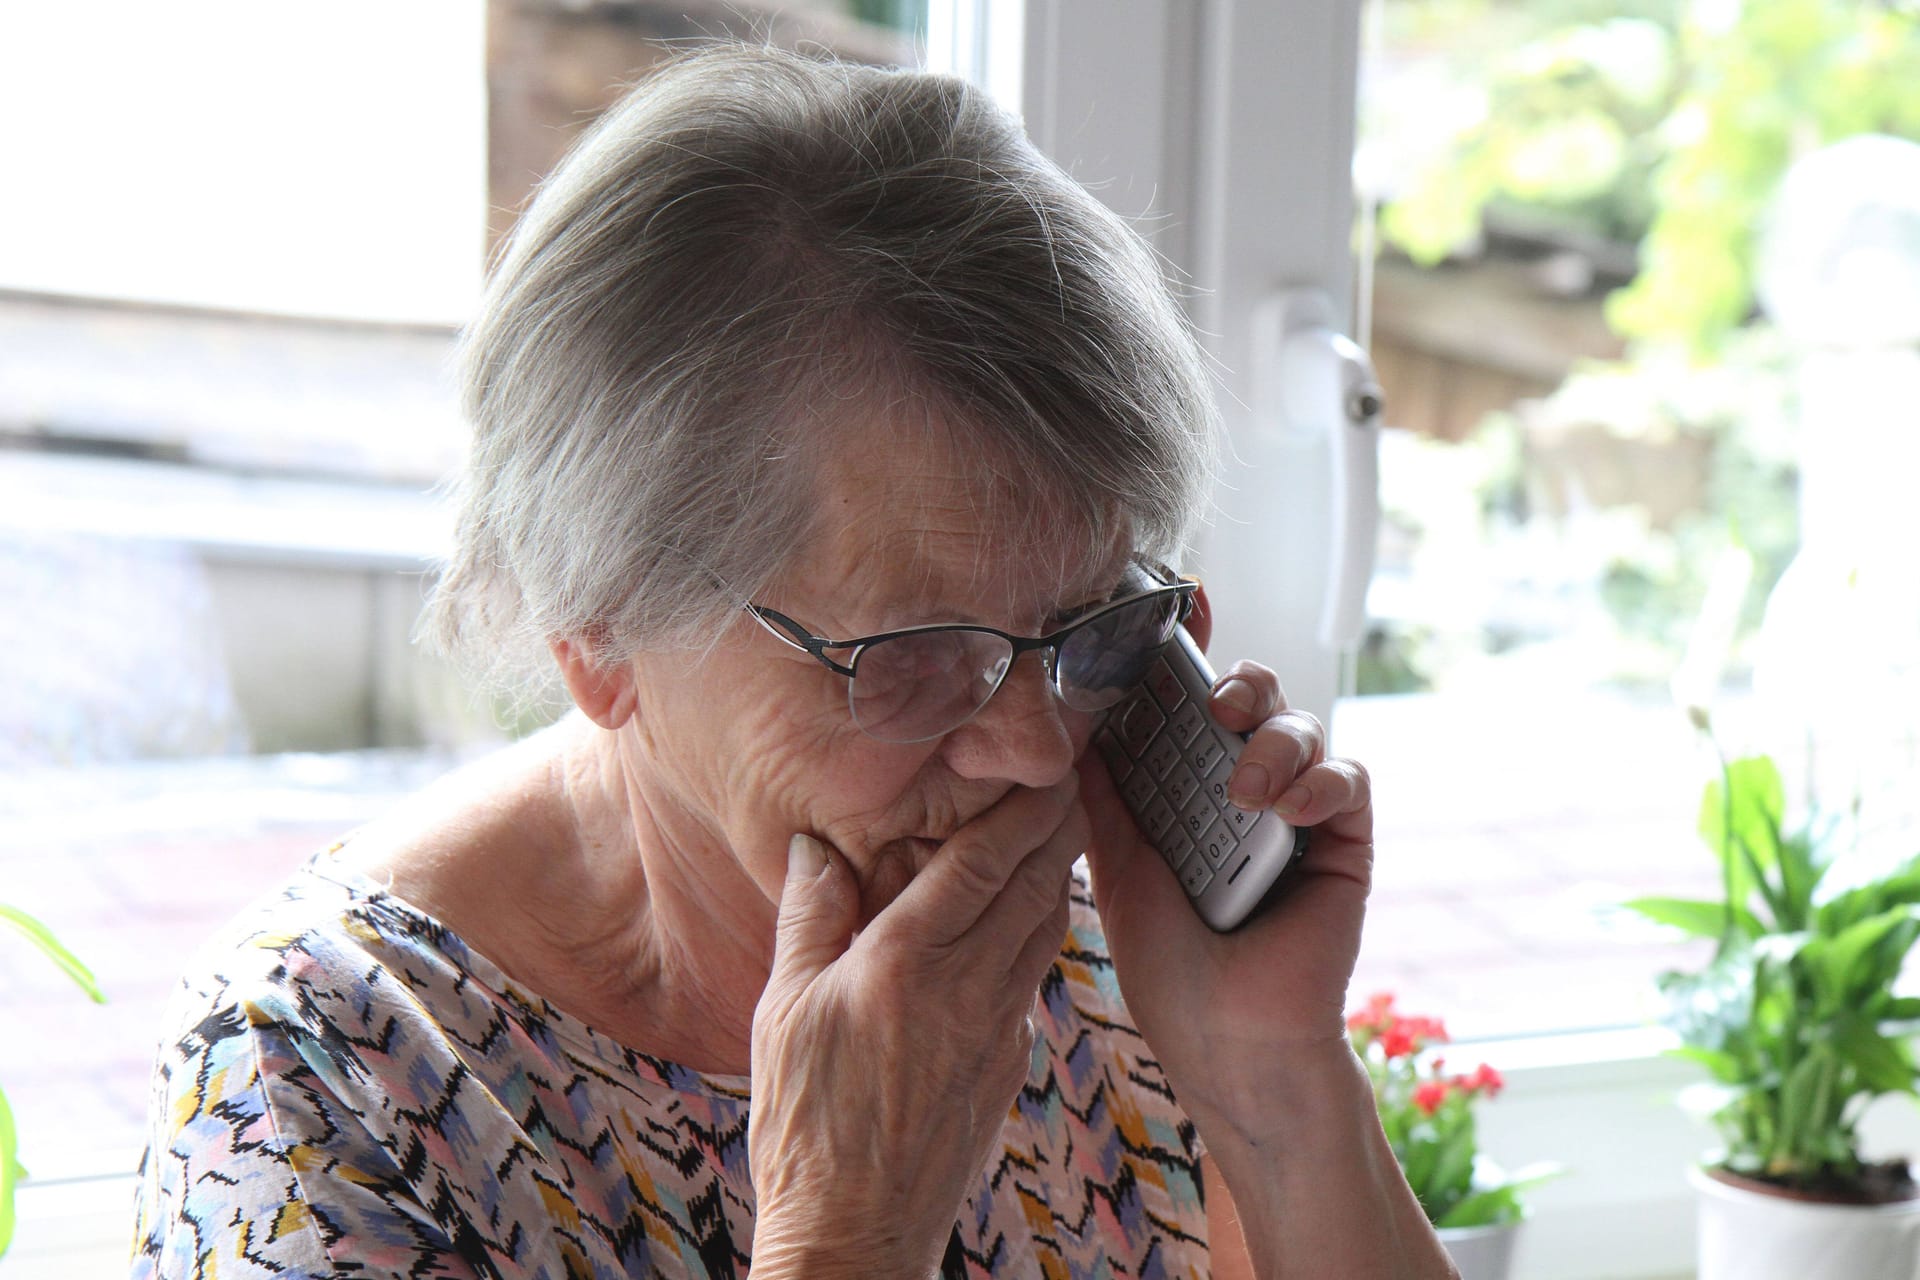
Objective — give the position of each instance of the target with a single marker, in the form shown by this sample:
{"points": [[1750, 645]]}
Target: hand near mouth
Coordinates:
{"points": [[890, 1053]]}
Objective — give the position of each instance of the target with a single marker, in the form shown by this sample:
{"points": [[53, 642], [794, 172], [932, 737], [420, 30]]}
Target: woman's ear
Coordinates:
{"points": [[1199, 623], [604, 691]]}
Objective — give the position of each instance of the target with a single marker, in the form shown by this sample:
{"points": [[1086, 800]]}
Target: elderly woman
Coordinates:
{"points": [[774, 955]]}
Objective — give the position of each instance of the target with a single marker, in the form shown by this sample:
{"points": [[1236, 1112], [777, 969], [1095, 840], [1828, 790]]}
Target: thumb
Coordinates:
{"points": [[818, 911]]}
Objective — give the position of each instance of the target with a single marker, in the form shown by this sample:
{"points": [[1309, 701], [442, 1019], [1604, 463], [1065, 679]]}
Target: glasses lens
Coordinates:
{"points": [[1108, 653], [920, 685]]}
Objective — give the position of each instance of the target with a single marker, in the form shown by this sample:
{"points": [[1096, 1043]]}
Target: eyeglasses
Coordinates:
{"points": [[920, 682]]}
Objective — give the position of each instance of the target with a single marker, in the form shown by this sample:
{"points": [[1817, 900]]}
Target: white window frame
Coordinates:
{"points": [[1227, 128]]}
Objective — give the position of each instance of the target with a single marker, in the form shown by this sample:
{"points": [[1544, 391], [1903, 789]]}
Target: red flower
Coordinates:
{"points": [[1429, 1094], [1484, 1079], [1398, 1040], [1377, 1014]]}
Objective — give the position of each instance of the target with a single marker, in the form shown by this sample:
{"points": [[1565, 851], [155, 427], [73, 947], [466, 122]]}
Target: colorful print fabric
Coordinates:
{"points": [[350, 1091]]}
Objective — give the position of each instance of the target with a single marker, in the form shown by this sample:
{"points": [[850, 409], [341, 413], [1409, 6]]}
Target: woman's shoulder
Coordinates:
{"points": [[280, 963]]}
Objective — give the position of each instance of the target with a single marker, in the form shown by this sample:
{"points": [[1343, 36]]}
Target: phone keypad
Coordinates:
{"points": [[1177, 851], [1172, 765], [1179, 786], [1138, 790], [1160, 819], [1186, 723], [1165, 687], [1218, 775], [1205, 752], [1196, 876], [1138, 721], [1162, 755]]}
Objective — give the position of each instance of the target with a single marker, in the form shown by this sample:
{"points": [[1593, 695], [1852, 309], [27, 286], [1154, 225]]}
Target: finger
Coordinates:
{"points": [[1280, 750], [1119, 854], [819, 907], [972, 868], [1043, 945], [1036, 888], [1335, 795], [1245, 696]]}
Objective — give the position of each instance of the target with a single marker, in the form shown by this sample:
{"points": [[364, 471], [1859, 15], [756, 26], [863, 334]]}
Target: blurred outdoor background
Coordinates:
{"points": [[1641, 284]]}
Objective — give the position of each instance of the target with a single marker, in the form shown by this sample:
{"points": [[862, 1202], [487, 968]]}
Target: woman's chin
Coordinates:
{"points": [[890, 870]]}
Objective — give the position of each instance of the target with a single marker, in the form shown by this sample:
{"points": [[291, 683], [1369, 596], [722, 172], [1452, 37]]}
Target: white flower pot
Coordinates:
{"points": [[1750, 1235], [1481, 1253]]}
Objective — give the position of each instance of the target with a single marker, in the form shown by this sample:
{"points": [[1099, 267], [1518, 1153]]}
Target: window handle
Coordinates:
{"points": [[1320, 386]]}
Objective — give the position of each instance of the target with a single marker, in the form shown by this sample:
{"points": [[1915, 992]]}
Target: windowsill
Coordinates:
{"points": [[222, 514], [223, 389]]}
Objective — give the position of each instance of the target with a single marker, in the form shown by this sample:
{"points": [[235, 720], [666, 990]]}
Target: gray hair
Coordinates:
{"points": [[746, 256]]}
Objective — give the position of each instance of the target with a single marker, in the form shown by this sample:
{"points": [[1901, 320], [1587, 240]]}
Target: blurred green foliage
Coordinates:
{"points": [[909, 17], [1659, 127], [1514, 556], [1661, 123]]}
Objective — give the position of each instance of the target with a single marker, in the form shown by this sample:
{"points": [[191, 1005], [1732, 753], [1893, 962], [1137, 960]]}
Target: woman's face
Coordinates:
{"points": [[753, 742]]}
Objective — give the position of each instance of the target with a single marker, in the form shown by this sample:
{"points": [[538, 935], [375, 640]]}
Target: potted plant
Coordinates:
{"points": [[1428, 1115], [1796, 1020], [10, 1170]]}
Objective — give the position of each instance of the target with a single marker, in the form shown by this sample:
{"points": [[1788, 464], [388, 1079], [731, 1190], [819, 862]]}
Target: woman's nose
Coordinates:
{"points": [[1021, 735]]}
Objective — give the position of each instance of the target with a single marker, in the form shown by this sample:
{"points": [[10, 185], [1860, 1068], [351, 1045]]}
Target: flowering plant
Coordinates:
{"points": [[1428, 1116]]}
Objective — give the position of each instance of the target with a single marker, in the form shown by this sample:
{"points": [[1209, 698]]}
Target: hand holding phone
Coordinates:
{"points": [[1171, 762]]}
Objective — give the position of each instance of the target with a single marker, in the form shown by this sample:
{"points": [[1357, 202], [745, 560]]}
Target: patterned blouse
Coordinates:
{"points": [[348, 1090]]}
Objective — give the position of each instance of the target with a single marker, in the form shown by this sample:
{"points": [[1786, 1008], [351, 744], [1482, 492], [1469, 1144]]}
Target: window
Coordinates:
{"points": [[1540, 769], [226, 309]]}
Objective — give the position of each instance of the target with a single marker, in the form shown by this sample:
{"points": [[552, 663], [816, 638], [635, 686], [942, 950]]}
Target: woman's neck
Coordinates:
{"points": [[559, 860]]}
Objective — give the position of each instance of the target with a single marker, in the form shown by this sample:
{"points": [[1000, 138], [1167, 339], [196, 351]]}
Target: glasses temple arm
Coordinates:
{"points": [[785, 629]]}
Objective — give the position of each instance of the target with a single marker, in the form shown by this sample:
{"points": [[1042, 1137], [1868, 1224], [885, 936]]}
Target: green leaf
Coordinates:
{"points": [[1803, 1101], [1842, 964], [1484, 1208], [9, 1171], [1722, 1066], [1884, 1066], [1741, 800], [43, 938], [1496, 1196], [1883, 893], [1700, 918], [1453, 1171], [1739, 819], [1419, 1160], [1800, 873]]}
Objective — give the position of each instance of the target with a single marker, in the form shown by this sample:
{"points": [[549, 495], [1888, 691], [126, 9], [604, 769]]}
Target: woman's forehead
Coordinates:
{"points": [[961, 563], [953, 544]]}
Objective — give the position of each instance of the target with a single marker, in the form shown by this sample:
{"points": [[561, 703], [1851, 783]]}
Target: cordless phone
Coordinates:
{"points": [[1171, 763]]}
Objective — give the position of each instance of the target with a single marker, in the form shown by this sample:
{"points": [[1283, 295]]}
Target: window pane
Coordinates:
{"points": [[215, 542], [322, 161], [1599, 474]]}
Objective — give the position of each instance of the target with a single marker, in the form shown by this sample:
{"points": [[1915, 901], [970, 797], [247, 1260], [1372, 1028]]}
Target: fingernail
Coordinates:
{"points": [[1236, 693], [1296, 799], [806, 857], [1249, 786]]}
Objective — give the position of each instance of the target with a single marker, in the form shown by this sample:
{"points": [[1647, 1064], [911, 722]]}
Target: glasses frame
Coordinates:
{"points": [[795, 636]]}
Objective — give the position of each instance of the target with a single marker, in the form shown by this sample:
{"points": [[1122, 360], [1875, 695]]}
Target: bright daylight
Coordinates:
{"points": [[964, 638]]}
